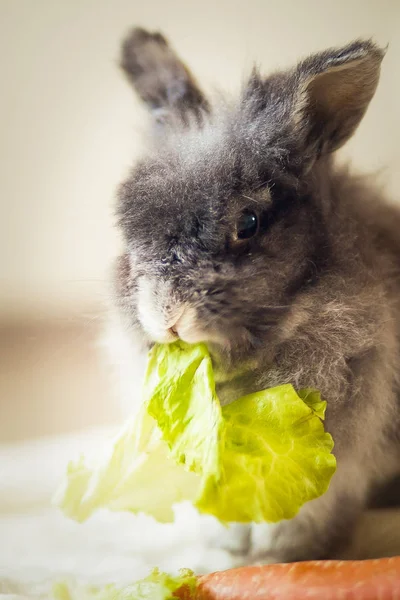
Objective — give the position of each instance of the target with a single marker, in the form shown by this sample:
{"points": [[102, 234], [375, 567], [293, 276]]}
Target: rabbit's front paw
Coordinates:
{"points": [[235, 539], [247, 545]]}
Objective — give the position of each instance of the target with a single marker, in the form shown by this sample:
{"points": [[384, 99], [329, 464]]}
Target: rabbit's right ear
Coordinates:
{"points": [[161, 80]]}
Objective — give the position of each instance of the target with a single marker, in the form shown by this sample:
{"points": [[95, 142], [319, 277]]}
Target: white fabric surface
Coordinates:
{"points": [[40, 546]]}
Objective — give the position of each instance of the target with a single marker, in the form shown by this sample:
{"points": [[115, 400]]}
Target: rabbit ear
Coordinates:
{"points": [[334, 91], [314, 108], [161, 80]]}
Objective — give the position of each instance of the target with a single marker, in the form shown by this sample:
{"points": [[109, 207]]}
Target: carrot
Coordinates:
{"points": [[319, 580]]}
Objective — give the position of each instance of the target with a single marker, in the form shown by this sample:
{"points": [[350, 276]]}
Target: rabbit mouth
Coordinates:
{"points": [[213, 317], [182, 323], [165, 317]]}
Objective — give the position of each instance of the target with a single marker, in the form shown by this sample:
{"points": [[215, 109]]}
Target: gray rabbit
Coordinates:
{"points": [[241, 232]]}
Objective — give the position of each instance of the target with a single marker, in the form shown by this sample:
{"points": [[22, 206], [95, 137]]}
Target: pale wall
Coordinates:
{"points": [[70, 125]]}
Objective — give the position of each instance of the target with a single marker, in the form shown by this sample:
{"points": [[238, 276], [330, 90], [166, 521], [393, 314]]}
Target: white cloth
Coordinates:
{"points": [[40, 546]]}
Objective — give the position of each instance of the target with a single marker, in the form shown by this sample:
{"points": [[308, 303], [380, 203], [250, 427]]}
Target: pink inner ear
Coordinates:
{"points": [[335, 100]]}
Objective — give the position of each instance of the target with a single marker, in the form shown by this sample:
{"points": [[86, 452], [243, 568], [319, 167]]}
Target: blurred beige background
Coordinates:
{"points": [[70, 127]]}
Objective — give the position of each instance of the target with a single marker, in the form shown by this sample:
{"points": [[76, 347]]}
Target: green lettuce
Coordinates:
{"points": [[258, 459], [157, 586]]}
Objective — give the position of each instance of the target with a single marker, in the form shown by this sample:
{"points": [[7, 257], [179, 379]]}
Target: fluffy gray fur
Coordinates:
{"points": [[313, 298]]}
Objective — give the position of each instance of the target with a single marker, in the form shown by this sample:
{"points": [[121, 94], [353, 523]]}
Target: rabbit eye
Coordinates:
{"points": [[247, 225]]}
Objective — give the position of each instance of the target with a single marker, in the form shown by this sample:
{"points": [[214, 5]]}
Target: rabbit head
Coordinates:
{"points": [[223, 220]]}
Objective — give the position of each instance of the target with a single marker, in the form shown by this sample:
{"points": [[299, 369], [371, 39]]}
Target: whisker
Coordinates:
{"points": [[85, 281], [282, 307], [252, 199], [267, 182]]}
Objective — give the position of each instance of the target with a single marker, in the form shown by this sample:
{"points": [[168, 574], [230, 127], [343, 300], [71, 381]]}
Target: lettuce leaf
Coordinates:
{"points": [[157, 586], [128, 477], [275, 459], [180, 395], [258, 459]]}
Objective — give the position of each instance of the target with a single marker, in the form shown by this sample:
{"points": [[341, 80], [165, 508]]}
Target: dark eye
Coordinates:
{"points": [[247, 225]]}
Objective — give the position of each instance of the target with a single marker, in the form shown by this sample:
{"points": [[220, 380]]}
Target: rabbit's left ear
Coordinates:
{"points": [[316, 107], [161, 79], [335, 89]]}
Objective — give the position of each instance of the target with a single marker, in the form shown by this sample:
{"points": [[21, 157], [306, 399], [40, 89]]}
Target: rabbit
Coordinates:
{"points": [[240, 231]]}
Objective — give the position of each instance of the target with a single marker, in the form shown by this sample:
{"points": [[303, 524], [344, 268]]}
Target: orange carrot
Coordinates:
{"points": [[319, 580]]}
